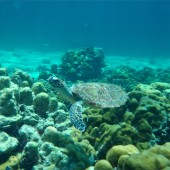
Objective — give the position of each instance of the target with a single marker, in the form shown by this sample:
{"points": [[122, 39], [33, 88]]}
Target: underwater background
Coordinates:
{"points": [[137, 28], [115, 56]]}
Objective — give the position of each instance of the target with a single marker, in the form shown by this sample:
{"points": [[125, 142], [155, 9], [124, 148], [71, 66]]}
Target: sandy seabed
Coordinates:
{"points": [[29, 60]]}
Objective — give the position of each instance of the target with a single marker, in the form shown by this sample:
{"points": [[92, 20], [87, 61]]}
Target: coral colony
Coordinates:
{"points": [[37, 132]]}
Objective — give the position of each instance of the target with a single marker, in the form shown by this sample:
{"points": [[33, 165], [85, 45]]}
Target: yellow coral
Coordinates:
{"points": [[117, 151], [163, 150], [146, 161], [157, 157], [12, 162], [103, 165]]}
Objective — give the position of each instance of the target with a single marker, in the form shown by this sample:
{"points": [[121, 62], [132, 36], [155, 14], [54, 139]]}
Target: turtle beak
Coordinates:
{"points": [[51, 79]]}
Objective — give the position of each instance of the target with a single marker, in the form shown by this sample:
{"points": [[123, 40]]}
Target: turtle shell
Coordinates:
{"points": [[100, 94]]}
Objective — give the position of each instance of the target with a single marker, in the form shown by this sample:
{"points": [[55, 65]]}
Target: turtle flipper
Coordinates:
{"points": [[76, 116]]}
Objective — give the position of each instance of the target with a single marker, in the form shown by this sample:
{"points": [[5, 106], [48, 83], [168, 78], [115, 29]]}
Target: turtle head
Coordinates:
{"points": [[56, 82], [62, 88]]}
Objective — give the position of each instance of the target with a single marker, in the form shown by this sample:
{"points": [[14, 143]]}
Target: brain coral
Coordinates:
{"points": [[117, 151], [41, 103], [128, 157], [145, 161]]}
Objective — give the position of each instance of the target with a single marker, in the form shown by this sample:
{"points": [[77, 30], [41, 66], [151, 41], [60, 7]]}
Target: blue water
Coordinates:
{"points": [[138, 28]]}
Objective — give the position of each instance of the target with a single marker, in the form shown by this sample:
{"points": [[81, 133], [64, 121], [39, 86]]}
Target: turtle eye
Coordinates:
{"points": [[54, 81], [58, 83]]}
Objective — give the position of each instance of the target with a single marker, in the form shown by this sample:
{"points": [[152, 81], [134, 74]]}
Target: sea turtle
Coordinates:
{"points": [[101, 95]]}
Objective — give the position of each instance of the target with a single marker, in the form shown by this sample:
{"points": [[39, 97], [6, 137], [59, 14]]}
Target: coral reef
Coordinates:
{"points": [[20, 78], [10, 123], [146, 160], [79, 64], [103, 165], [117, 151], [30, 155], [26, 97], [129, 77], [129, 158], [12, 163], [29, 116], [4, 82], [3, 71], [154, 158], [152, 112], [53, 104], [7, 143], [28, 133], [38, 87], [143, 121], [41, 103], [35, 128], [8, 102]]}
